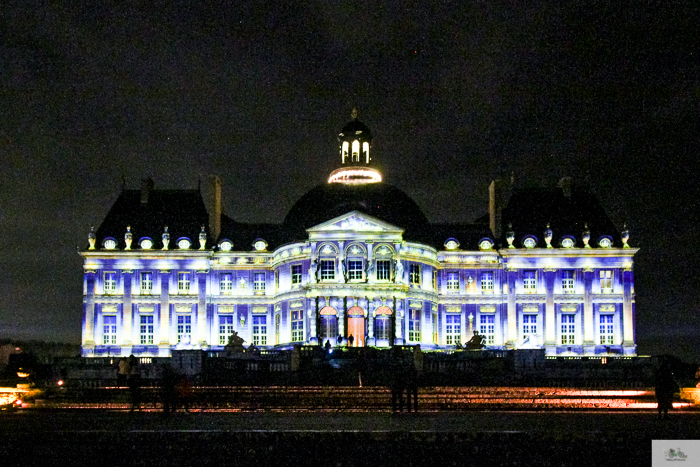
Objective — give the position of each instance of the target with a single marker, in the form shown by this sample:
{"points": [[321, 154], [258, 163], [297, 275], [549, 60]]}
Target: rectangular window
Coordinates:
{"points": [[452, 282], [225, 328], [226, 283], [296, 274], [277, 281], [259, 283], [297, 325], [383, 270], [381, 328], [327, 270], [260, 330], [414, 274], [109, 333], [487, 282], [414, 325], [567, 281], [435, 276], [435, 328], [146, 282], [487, 328], [529, 281], [146, 330], [355, 270], [606, 329], [568, 329], [529, 325], [453, 329], [183, 282], [184, 328], [110, 283], [606, 281]]}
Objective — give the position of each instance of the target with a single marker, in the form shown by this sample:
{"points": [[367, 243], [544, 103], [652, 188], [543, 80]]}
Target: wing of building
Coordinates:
{"points": [[356, 262]]}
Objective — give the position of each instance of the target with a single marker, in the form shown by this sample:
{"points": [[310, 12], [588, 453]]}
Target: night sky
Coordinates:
{"points": [[455, 93]]}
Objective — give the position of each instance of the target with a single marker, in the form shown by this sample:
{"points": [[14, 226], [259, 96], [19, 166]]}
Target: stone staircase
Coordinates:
{"points": [[368, 398]]}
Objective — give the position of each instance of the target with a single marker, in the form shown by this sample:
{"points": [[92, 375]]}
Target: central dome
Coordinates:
{"points": [[379, 200]]}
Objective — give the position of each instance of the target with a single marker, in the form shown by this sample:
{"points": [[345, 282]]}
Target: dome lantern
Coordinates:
{"points": [[355, 140]]}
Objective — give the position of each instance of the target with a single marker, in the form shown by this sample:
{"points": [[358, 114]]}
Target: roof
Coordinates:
{"points": [[529, 211], [182, 211]]}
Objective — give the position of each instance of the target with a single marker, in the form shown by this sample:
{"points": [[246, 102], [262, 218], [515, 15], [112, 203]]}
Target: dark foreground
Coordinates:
{"points": [[489, 438]]}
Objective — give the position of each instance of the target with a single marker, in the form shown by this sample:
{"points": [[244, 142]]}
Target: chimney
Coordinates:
{"points": [[566, 184], [212, 201], [496, 190], [146, 188]]}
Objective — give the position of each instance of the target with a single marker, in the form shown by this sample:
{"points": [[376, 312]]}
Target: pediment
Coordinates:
{"points": [[356, 221]]}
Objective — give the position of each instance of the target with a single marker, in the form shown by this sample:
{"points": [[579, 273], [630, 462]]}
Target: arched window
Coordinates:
{"points": [[365, 151], [356, 151], [345, 151]]}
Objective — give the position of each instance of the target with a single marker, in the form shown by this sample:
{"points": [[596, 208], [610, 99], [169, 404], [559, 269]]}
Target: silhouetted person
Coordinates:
{"points": [[396, 380], [327, 345], [168, 381], [134, 382], [665, 388], [122, 372], [351, 339]]}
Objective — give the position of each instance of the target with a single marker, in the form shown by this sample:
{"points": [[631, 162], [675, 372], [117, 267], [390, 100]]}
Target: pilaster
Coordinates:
{"points": [[202, 308], [549, 314], [629, 347], [127, 312], [164, 324], [512, 317], [588, 324], [89, 325]]}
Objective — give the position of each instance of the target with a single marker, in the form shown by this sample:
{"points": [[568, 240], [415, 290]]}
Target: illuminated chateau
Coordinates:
{"points": [[355, 262]]}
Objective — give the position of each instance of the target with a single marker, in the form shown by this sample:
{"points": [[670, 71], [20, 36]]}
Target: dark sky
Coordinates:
{"points": [[456, 93]]}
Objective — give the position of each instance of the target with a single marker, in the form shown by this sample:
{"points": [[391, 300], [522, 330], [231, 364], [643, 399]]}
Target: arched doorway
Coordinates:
{"points": [[356, 326], [328, 325]]}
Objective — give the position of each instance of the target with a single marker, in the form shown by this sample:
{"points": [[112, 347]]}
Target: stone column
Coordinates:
{"points": [[550, 330], [342, 310], [202, 335], [629, 347], [164, 321], [89, 324], [588, 324], [370, 323], [313, 320], [512, 316], [400, 316], [127, 313]]}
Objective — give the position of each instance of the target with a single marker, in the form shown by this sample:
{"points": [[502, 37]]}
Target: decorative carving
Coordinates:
{"points": [[202, 239], [548, 236], [128, 237], [510, 236], [398, 275], [625, 236], [166, 238], [91, 238], [586, 236]]}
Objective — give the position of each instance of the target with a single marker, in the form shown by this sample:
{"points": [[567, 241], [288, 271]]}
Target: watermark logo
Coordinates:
{"points": [[675, 454], [664, 451]]}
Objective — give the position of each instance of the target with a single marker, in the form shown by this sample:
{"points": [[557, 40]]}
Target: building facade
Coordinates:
{"points": [[355, 262]]}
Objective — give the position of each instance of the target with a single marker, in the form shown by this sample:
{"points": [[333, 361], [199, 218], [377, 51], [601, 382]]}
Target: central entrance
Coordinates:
{"points": [[356, 326]]}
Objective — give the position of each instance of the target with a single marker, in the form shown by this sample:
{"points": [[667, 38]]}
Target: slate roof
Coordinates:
{"points": [[183, 211], [529, 210]]}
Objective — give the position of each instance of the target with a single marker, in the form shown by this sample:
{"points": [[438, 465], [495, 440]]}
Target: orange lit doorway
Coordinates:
{"points": [[356, 327]]}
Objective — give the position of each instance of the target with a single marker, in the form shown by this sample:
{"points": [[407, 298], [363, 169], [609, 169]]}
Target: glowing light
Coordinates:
{"points": [[355, 176], [110, 244], [226, 245], [146, 244], [184, 243], [60, 383]]}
